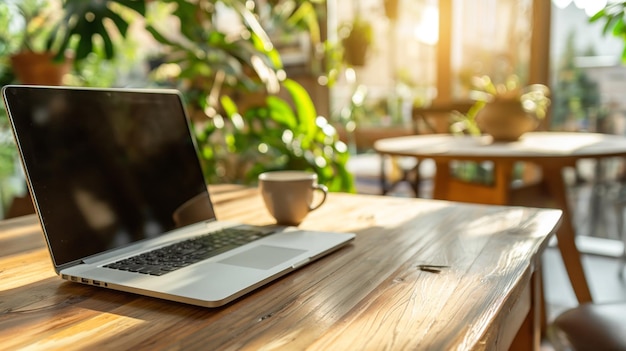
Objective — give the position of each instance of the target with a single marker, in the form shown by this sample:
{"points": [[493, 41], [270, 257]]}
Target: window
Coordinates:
{"points": [[491, 38], [587, 74], [430, 50]]}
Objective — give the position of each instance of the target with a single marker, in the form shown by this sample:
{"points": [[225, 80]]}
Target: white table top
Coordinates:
{"points": [[532, 145]]}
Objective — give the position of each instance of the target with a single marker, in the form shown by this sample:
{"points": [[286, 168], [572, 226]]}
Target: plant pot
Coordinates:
{"points": [[357, 43], [39, 68], [355, 51], [505, 120], [391, 8]]}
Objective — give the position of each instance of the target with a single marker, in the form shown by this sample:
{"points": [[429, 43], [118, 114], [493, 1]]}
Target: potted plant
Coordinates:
{"points": [[47, 35], [356, 38], [25, 39], [507, 110], [392, 9]]}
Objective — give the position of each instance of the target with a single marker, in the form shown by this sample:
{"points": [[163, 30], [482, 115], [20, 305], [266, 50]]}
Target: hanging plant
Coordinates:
{"points": [[357, 38]]}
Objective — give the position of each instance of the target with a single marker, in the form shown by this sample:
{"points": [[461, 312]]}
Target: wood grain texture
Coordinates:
{"points": [[369, 295], [549, 152]]}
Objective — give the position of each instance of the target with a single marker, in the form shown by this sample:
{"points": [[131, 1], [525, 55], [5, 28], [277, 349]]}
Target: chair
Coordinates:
{"points": [[595, 326], [590, 326], [435, 118]]}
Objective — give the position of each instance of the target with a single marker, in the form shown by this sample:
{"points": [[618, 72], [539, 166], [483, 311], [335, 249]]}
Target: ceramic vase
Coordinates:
{"points": [[505, 120]]}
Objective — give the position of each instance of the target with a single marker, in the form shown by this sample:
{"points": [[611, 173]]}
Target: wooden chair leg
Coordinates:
{"points": [[383, 176], [417, 179], [619, 221], [386, 187]]}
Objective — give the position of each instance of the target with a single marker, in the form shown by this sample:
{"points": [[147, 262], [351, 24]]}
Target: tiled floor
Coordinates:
{"points": [[594, 216]]}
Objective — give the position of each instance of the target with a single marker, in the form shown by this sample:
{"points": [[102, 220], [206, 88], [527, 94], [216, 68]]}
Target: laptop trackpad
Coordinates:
{"points": [[262, 257]]}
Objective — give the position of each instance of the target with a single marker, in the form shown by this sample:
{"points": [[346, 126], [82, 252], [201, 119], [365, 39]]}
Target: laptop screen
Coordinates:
{"points": [[106, 168]]}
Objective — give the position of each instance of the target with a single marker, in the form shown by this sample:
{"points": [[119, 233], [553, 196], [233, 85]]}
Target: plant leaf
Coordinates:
{"points": [[281, 112], [304, 106]]}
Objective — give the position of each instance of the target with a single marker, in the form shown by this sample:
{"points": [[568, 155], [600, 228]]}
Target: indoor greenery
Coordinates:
{"points": [[84, 26], [356, 39], [100, 46], [534, 99], [25, 26], [248, 116], [10, 42], [531, 99], [577, 96], [86, 33], [614, 17]]}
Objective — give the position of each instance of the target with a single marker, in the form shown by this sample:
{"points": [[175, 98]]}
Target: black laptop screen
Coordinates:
{"points": [[107, 167]]}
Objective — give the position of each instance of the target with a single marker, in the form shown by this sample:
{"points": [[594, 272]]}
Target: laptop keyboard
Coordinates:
{"points": [[181, 254]]}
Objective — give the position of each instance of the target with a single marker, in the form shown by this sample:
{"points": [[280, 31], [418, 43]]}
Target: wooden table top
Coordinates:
{"points": [[550, 151], [533, 146], [368, 295]]}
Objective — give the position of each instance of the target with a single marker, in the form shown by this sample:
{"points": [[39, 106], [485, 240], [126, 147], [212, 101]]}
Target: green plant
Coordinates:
{"points": [[248, 118], [297, 24], [26, 25], [614, 17], [84, 26], [274, 134], [534, 99], [8, 43], [289, 17], [38, 26], [22, 27], [207, 60], [465, 123], [356, 38], [576, 94], [36, 31]]}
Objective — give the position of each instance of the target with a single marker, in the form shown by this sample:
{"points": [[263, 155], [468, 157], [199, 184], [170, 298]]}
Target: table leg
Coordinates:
{"points": [[386, 186], [383, 176], [553, 178], [529, 334], [447, 187], [441, 181]]}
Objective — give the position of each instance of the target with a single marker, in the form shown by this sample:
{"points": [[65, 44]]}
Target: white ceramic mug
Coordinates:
{"points": [[289, 195]]}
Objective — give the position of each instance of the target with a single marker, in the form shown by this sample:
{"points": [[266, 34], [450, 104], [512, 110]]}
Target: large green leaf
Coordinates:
{"points": [[280, 111], [304, 106], [85, 20]]}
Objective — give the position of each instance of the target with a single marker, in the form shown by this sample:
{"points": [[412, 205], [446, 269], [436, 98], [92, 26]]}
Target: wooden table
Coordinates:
{"points": [[369, 295], [552, 152]]}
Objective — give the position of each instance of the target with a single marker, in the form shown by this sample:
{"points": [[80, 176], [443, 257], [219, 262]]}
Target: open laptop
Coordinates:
{"points": [[117, 186]]}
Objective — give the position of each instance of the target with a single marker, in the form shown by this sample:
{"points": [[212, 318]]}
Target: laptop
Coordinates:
{"points": [[120, 194]]}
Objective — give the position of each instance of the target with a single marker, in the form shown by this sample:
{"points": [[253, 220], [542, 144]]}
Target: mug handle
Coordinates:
{"points": [[324, 190]]}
